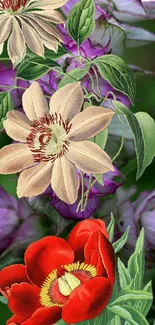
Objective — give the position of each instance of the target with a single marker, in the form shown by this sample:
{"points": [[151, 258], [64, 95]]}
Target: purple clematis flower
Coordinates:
{"points": [[113, 23], [7, 78], [69, 211], [19, 224]]}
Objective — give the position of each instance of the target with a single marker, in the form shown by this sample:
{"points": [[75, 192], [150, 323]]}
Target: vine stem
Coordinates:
{"points": [[18, 87], [123, 129], [87, 192]]}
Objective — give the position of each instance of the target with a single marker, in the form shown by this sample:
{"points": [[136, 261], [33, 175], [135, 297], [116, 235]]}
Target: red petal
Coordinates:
{"points": [[12, 274], [87, 301], [46, 255], [100, 253], [79, 235], [44, 316], [15, 320], [24, 299]]}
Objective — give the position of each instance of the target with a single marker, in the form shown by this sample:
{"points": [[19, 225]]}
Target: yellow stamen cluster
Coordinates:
{"points": [[45, 299], [81, 266]]}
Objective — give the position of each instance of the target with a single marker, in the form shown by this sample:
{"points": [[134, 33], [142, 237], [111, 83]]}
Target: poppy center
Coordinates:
{"points": [[48, 138], [13, 5], [60, 283], [67, 283]]}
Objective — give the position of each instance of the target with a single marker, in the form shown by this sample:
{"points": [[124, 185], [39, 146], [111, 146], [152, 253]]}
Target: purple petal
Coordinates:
{"points": [[147, 204], [148, 222], [68, 211]]}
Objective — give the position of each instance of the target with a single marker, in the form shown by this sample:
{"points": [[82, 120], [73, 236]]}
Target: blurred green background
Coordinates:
{"points": [[143, 57]]}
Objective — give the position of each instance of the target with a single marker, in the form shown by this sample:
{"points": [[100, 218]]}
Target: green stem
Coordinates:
{"points": [[97, 81], [18, 87], [122, 140], [87, 192], [123, 131], [80, 205]]}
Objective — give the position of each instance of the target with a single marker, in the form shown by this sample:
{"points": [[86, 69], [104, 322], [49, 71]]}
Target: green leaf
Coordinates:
{"points": [[115, 321], [113, 69], [144, 306], [81, 21], [99, 178], [121, 242], [101, 138], [147, 125], [9, 183], [115, 128], [49, 54], [143, 128], [130, 314], [34, 68], [3, 300], [55, 55], [111, 228], [6, 105], [136, 263], [73, 76], [60, 322], [129, 295], [124, 275]]}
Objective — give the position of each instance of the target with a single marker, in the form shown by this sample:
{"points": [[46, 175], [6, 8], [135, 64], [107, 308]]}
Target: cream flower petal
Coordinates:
{"points": [[34, 102], [50, 45], [65, 181], [32, 39], [52, 4], [89, 157], [1, 48], [51, 16], [90, 122], [17, 126], [35, 180], [67, 101], [16, 44], [14, 158], [5, 28], [43, 29]]}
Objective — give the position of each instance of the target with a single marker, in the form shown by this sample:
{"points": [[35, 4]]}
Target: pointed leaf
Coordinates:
{"points": [[121, 242], [3, 300], [143, 127], [111, 228], [130, 296], [81, 22], [144, 306], [124, 275], [136, 263], [34, 68], [113, 69], [6, 105], [130, 314]]}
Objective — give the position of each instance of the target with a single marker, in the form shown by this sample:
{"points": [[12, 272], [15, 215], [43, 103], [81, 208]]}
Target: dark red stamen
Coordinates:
{"points": [[60, 271], [41, 129], [12, 4]]}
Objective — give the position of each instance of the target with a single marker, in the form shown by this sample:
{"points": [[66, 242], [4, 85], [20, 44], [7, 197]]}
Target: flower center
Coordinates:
{"points": [[13, 5], [67, 283], [47, 139], [60, 283]]}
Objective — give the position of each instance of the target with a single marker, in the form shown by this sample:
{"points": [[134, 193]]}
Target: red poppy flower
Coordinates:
{"points": [[72, 279]]}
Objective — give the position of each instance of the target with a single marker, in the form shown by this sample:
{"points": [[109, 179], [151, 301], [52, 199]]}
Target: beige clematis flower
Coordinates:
{"points": [[54, 142], [29, 22]]}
